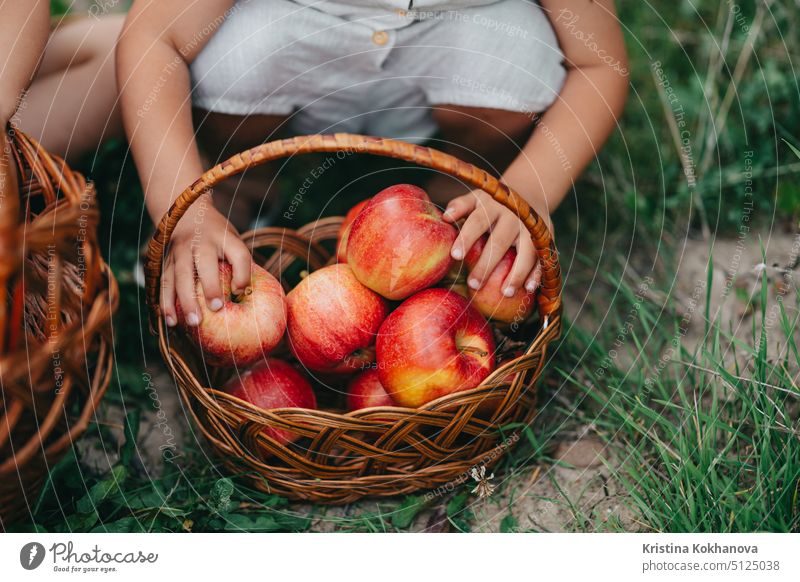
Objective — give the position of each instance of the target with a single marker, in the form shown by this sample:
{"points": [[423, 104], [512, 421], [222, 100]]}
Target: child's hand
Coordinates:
{"points": [[507, 230], [200, 240]]}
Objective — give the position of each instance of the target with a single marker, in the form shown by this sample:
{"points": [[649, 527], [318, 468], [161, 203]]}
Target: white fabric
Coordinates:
{"points": [[374, 66], [383, 14]]}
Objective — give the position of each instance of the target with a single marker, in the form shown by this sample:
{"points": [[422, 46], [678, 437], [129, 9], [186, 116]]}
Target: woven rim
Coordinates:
{"points": [[371, 452], [53, 239]]}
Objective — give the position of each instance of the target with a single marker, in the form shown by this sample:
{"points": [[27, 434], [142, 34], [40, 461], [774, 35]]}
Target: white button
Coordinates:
{"points": [[380, 37]]}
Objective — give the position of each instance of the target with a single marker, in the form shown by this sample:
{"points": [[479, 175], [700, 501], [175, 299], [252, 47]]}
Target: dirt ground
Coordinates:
{"points": [[738, 266]]}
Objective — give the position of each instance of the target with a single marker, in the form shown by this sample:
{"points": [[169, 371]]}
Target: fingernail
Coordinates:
{"points": [[530, 286], [457, 254], [216, 304], [193, 319], [474, 284], [170, 321], [448, 212], [508, 291]]}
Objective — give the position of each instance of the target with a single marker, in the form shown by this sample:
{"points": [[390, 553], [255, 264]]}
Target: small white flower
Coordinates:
{"points": [[483, 488]]}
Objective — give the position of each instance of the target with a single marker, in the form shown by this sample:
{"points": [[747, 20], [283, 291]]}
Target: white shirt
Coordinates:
{"points": [[387, 14]]}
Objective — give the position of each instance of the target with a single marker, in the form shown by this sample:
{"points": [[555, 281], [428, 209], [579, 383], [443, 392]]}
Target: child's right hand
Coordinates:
{"points": [[201, 239]]}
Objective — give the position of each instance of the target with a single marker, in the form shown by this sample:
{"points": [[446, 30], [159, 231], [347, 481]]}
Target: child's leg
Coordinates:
{"points": [[71, 106], [488, 138], [250, 195]]}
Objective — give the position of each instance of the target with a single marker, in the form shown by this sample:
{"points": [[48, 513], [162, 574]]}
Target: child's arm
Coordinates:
{"points": [[568, 137], [159, 40]]}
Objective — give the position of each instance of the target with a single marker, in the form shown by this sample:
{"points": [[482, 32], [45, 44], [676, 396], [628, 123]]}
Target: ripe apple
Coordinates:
{"points": [[344, 230], [489, 299], [333, 320], [399, 244], [434, 344], [270, 384], [366, 391], [247, 327]]}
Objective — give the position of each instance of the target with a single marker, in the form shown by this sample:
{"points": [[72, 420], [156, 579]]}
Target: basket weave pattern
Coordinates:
{"points": [[55, 325], [372, 452]]}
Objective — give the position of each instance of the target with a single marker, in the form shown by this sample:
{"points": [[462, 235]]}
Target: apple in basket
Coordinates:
{"points": [[270, 384], [344, 230], [434, 344], [333, 320], [247, 327], [399, 243], [489, 300], [366, 391]]}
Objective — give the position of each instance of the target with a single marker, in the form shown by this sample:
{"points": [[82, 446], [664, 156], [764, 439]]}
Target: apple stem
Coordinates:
{"points": [[473, 350], [247, 291]]}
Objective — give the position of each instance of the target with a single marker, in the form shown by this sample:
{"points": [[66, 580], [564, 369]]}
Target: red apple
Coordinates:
{"points": [[247, 327], [434, 344], [366, 391], [333, 320], [272, 384], [344, 230], [399, 244], [489, 299]]}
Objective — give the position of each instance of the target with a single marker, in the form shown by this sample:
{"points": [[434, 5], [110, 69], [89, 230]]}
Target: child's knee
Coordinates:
{"points": [[104, 34], [91, 38]]}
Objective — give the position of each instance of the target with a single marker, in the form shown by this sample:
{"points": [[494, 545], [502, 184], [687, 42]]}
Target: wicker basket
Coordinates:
{"points": [[55, 324], [372, 452]]}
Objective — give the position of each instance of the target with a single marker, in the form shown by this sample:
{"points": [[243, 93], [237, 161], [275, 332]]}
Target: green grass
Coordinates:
{"points": [[701, 441], [704, 447]]}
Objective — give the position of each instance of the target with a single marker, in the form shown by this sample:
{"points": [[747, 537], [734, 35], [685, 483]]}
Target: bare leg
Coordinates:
{"points": [[488, 138], [221, 136], [71, 106]]}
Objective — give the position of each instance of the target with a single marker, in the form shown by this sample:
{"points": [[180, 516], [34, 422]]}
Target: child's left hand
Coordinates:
{"points": [[485, 215]]}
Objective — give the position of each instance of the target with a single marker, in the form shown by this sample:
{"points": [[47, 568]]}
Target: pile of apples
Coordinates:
{"points": [[383, 318]]}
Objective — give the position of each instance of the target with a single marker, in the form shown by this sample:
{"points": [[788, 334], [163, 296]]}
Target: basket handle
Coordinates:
{"points": [[10, 254], [9, 209], [549, 294]]}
